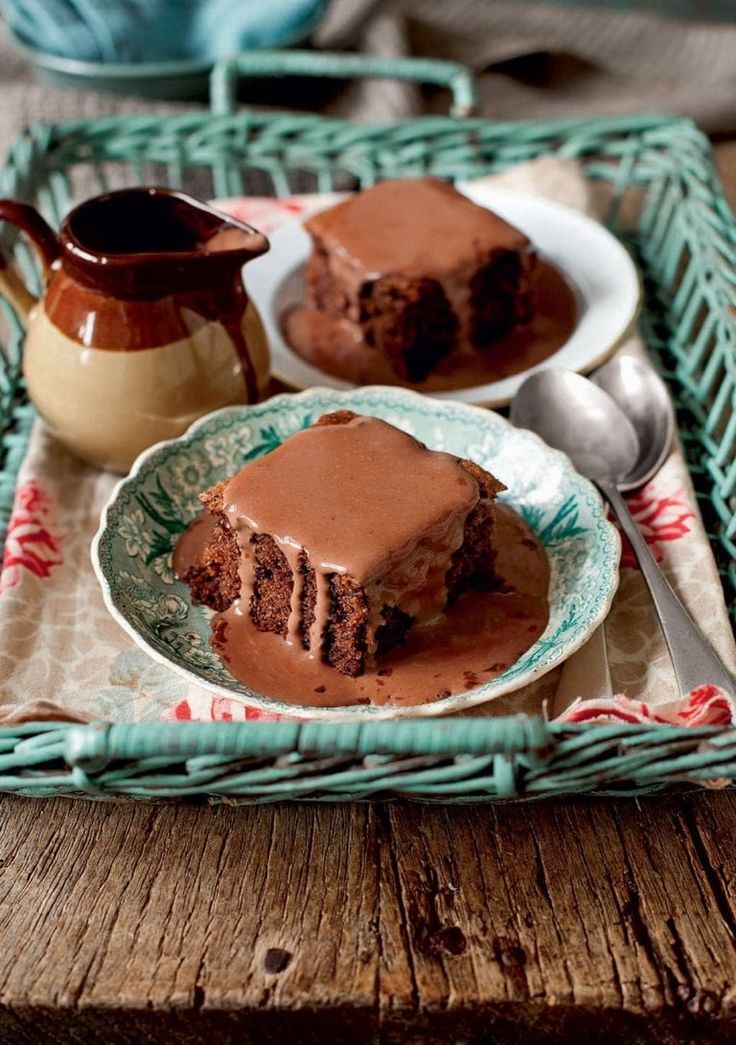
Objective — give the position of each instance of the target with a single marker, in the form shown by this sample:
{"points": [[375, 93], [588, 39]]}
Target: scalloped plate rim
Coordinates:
{"points": [[456, 702]]}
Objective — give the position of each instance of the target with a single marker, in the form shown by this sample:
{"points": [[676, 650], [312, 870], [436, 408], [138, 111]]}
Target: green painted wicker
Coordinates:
{"points": [[445, 760], [664, 201]]}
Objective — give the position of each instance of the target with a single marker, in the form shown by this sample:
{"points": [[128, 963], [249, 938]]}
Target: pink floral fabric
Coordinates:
{"points": [[267, 214], [661, 517], [705, 706], [32, 542], [218, 709]]}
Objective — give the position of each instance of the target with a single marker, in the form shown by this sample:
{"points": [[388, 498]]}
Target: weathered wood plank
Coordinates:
{"points": [[582, 905], [150, 907], [386, 923], [711, 825]]}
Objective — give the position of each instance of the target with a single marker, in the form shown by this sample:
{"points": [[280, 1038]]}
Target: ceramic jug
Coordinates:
{"points": [[144, 324]]}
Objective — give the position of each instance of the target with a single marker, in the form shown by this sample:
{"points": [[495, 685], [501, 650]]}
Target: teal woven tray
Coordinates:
{"points": [[664, 201]]}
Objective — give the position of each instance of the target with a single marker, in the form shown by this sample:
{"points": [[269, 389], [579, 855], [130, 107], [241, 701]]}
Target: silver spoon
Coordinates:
{"points": [[574, 415], [641, 393], [637, 388]]}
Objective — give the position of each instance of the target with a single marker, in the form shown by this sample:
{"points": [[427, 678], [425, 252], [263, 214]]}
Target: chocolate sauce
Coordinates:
{"points": [[353, 495], [366, 236], [336, 346], [232, 317], [477, 639], [362, 499], [192, 543]]}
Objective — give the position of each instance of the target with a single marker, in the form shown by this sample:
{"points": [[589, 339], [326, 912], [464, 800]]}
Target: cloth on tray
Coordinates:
{"points": [[59, 646]]}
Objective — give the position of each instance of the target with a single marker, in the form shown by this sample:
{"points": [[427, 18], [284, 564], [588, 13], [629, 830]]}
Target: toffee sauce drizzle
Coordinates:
{"points": [[337, 347], [478, 638]]}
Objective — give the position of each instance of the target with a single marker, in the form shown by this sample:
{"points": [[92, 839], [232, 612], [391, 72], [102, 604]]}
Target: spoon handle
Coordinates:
{"points": [[693, 658]]}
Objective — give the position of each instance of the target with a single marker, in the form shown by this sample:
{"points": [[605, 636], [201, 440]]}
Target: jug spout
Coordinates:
{"points": [[237, 240], [149, 242]]}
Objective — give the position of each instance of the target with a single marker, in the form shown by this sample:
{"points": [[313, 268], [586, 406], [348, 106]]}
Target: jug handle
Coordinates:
{"points": [[45, 243]]}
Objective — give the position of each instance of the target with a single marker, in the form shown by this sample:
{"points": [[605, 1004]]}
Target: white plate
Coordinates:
{"points": [[592, 260]]}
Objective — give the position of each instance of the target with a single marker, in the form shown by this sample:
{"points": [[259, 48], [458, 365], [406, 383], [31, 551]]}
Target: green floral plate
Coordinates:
{"points": [[148, 510]]}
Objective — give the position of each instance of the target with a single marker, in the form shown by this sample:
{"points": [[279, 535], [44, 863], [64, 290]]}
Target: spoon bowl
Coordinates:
{"points": [[580, 419], [642, 395]]}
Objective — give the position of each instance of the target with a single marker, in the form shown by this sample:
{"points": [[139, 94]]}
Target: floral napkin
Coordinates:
{"points": [[62, 655]]}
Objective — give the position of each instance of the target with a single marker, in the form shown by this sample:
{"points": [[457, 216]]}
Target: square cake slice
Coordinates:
{"points": [[346, 536], [420, 271]]}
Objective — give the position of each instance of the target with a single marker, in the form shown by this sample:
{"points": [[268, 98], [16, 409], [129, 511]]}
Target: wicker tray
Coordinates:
{"points": [[663, 200]]}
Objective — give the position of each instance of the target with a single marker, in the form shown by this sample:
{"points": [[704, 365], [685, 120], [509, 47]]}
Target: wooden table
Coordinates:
{"points": [[387, 923], [563, 921]]}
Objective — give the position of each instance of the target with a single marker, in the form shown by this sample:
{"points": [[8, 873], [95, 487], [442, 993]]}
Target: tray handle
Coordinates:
{"points": [[455, 77]]}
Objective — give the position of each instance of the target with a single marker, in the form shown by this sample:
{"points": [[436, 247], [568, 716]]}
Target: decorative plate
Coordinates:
{"points": [[148, 510], [607, 289]]}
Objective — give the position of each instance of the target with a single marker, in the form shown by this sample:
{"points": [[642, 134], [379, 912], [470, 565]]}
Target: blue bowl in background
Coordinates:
{"points": [[152, 48]]}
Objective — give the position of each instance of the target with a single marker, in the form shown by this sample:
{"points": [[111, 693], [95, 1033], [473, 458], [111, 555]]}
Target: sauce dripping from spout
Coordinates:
{"points": [[232, 320], [230, 306]]}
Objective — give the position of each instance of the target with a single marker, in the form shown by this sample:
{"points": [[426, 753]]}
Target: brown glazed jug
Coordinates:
{"points": [[144, 324]]}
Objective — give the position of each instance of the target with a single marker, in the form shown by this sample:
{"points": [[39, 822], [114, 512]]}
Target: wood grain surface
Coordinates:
{"points": [[130, 922]]}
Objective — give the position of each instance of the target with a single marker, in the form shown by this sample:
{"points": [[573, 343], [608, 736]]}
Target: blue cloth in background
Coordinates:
{"points": [[159, 30]]}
